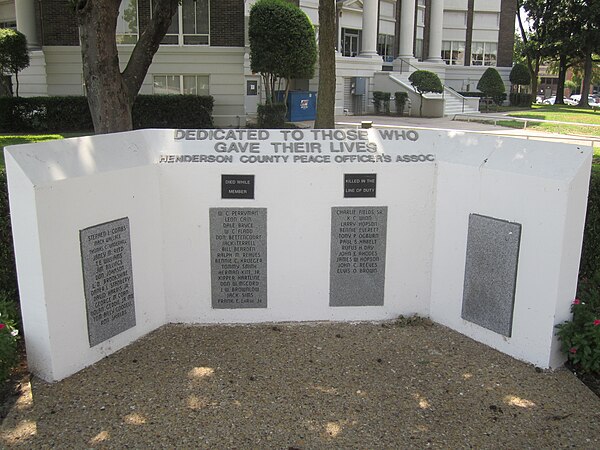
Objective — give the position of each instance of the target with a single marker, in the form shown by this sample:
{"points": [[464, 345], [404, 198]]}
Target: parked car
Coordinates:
{"points": [[577, 97], [552, 100]]}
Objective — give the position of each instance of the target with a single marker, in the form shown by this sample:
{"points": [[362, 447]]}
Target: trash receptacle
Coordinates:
{"points": [[301, 105]]}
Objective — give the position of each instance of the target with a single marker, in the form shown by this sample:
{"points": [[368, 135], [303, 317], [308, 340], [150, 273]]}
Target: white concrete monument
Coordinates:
{"points": [[116, 235]]}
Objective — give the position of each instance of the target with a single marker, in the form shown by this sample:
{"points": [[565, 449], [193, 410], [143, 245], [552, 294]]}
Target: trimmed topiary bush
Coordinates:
{"points": [[519, 75], [400, 99], [492, 86], [425, 81]]}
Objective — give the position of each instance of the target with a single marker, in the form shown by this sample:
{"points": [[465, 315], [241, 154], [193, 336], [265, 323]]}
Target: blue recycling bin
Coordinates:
{"points": [[301, 105]]}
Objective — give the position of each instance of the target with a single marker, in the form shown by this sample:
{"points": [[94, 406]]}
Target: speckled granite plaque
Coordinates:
{"points": [[238, 252], [491, 273], [357, 259], [107, 279]]}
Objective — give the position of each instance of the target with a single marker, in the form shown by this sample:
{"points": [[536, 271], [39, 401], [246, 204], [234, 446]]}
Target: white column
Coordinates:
{"points": [[407, 30], [369, 29], [436, 26], [26, 23]]}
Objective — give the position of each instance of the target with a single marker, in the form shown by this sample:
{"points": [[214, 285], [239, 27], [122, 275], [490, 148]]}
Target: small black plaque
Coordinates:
{"points": [[237, 186], [360, 185]]}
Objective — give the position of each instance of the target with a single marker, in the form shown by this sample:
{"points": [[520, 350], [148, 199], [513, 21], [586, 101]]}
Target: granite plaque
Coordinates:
{"points": [[237, 186], [357, 260], [360, 185], [238, 252], [107, 279], [491, 273]]}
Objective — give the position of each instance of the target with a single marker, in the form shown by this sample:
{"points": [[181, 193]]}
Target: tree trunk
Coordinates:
{"points": [[587, 79], [111, 93], [17, 80], [106, 93], [562, 74], [327, 79]]}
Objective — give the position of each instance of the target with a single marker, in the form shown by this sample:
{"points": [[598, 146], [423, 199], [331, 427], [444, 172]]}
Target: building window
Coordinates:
{"points": [[11, 24], [127, 22], [190, 25], [419, 49], [484, 53], [350, 42], [181, 84], [455, 19], [453, 52], [385, 47], [486, 20]]}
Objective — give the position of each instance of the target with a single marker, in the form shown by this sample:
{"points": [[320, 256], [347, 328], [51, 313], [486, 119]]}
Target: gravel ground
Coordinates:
{"points": [[309, 386]]}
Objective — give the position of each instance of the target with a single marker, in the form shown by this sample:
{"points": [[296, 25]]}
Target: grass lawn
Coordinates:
{"points": [[15, 139], [562, 113]]}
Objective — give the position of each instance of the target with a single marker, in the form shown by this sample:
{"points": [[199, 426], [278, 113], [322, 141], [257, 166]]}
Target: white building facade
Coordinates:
{"points": [[206, 51]]}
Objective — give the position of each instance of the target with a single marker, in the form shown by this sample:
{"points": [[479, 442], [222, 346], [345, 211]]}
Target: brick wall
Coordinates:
{"points": [[506, 34], [58, 25], [227, 23]]}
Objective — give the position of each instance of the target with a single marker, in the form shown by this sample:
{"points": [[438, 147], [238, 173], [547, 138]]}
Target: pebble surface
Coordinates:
{"points": [[307, 386]]}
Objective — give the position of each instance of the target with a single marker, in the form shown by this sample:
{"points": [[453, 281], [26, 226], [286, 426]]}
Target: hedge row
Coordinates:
{"points": [[60, 114], [590, 253], [521, 99], [8, 272]]}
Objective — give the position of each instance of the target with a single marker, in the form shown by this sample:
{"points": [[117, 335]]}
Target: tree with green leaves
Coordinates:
{"points": [[282, 45], [491, 85], [327, 82], [587, 16], [425, 81], [110, 92], [14, 55]]}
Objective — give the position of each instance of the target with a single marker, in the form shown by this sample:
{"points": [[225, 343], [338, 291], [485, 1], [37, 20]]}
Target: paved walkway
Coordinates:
{"points": [[446, 123]]}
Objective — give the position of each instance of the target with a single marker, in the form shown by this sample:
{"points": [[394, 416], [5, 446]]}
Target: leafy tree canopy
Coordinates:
{"points": [[14, 55], [282, 43]]}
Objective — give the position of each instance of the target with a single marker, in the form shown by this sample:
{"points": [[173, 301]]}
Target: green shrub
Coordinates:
{"points": [[580, 337], [9, 334], [492, 86], [381, 101], [271, 115], [172, 111], [521, 99], [44, 114], [8, 272], [590, 252], [400, 99]]}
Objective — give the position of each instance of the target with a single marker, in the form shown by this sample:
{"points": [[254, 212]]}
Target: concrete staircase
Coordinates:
{"points": [[454, 103]]}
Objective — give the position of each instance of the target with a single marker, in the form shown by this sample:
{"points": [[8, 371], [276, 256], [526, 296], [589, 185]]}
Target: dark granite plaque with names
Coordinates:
{"points": [[107, 279], [357, 260], [360, 185], [238, 253], [491, 273], [237, 186]]}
